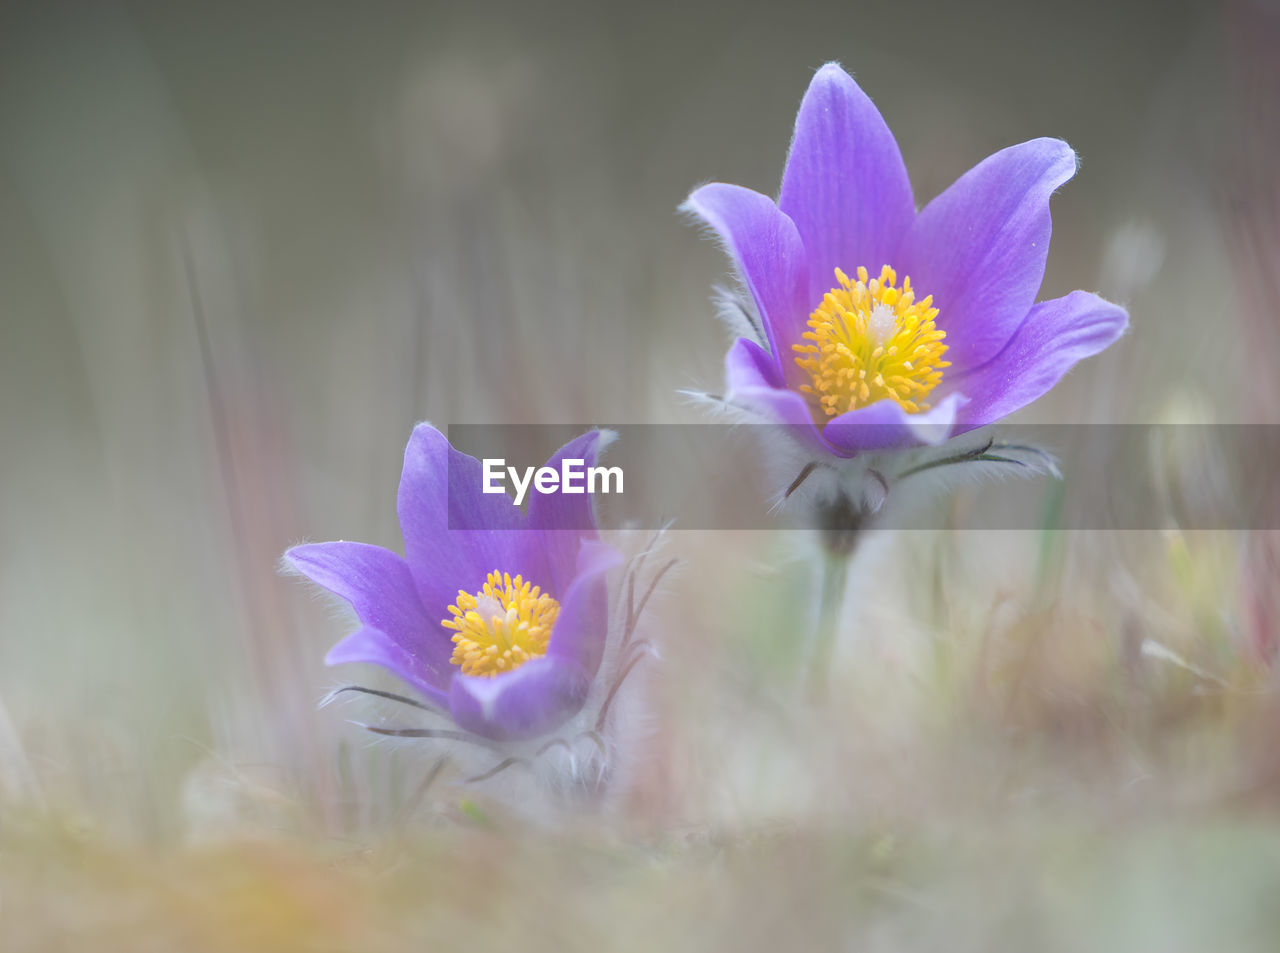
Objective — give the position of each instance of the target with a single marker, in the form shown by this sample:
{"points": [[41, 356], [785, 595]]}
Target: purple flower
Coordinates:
{"points": [[882, 326], [502, 628]]}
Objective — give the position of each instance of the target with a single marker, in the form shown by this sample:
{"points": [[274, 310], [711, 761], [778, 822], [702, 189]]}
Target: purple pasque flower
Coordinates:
{"points": [[502, 628], [880, 326]]}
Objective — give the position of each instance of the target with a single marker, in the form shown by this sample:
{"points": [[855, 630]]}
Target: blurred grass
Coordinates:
{"points": [[1055, 884], [244, 247]]}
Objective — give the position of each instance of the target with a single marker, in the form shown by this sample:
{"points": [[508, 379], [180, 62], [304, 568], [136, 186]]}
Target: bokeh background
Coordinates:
{"points": [[244, 247]]}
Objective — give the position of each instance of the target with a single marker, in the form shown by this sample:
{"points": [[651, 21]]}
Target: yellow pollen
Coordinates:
{"points": [[869, 340], [499, 628]]}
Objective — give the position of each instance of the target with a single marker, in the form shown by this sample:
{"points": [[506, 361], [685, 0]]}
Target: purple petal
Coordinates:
{"points": [[381, 589], [884, 425], [441, 487], [1054, 336], [563, 520], [371, 646], [583, 622], [979, 248], [747, 365], [754, 383], [845, 186], [751, 386], [766, 247], [536, 698]]}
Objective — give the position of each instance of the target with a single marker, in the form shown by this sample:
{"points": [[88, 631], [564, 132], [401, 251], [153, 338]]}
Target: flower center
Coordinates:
{"points": [[869, 340], [502, 626]]}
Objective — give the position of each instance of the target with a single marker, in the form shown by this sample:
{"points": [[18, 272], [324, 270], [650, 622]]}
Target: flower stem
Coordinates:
{"points": [[835, 575]]}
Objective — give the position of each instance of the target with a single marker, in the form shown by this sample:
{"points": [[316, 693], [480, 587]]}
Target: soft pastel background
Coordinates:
{"points": [[245, 246]]}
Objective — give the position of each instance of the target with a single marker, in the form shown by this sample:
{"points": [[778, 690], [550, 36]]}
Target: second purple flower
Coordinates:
{"points": [[504, 627]]}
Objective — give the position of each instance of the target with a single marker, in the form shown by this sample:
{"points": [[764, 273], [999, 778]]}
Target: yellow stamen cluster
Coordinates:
{"points": [[502, 626], [869, 340]]}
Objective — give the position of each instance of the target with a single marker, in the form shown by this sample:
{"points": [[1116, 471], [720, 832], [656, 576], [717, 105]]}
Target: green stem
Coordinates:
{"points": [[835, 575]]}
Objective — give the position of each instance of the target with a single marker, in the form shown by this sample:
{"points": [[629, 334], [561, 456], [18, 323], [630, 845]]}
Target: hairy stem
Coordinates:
{"points": [[835, 575]]}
